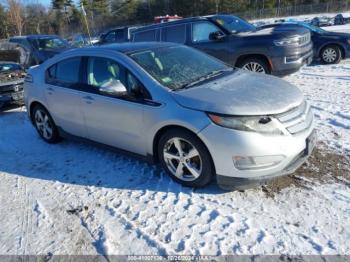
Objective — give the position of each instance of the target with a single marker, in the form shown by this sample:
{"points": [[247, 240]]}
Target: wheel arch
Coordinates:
{"points": [[164, 129], [32, 105], [263, 57], [341, 47]]}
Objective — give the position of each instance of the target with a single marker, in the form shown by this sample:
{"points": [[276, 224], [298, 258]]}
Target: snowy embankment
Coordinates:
{"points": [[72, 198]]}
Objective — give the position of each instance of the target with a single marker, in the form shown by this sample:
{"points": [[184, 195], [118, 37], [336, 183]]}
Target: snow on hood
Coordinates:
{"points": [[241, 93], [276, 31]]}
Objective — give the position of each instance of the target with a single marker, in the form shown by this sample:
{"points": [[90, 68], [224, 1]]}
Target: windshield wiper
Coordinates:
{"points": [[204, 78]]}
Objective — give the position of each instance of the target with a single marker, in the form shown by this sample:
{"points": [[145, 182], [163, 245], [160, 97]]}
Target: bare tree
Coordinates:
{"points": [[16, 15]]}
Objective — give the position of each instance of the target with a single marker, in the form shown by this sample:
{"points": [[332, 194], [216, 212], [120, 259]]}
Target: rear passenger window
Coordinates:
{"points": [[64, 72], [176, 34], [149, 35]]}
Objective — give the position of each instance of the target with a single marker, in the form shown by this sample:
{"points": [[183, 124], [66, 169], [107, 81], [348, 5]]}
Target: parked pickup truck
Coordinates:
{"points": [[277, 51]]}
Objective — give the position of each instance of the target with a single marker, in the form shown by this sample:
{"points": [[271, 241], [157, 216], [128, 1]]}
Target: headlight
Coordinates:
{"points": [[259, 124], [287, 41]]}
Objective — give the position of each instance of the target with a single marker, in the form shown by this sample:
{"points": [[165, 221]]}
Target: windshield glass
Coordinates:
{"points": [[4, 67], [48, 43], [234, 24], [177, 66]]}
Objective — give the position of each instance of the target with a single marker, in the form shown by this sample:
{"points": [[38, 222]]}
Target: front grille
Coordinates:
{"points": [[304, 39], [297, 119], [10, 88]]}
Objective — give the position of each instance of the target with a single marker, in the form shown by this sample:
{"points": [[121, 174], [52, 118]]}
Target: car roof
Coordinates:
{"points": [[129, 47], [176, 22], [33, 36]]}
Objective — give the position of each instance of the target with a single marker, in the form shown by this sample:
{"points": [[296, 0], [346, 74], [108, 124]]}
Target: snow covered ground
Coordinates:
{"points": [[337, 28], [73, 198], [302, 17]]}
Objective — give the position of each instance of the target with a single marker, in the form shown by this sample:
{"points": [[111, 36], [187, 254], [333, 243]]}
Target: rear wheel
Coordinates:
{"points": [[45, 125], [331, 54], [255, 65], [185, 158]]}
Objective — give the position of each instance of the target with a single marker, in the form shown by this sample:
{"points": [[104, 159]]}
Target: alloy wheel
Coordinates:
{"points": [[254, 67], [182, 159], [43, 124], [329, 55]]}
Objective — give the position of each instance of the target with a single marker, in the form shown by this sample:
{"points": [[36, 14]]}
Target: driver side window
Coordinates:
{"points": [[201, 31], [102, 72], [135, 89]]}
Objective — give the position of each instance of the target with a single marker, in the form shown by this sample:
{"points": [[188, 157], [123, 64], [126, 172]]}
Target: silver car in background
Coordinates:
{"points": [[168, 103]]}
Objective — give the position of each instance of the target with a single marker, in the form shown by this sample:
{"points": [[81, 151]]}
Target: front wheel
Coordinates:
{"points": [[331, 54], [185, 158], [45, 125], [255, 65]]}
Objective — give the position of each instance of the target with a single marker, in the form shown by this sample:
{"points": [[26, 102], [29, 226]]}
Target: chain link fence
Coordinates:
{"points": [[295, 10]]}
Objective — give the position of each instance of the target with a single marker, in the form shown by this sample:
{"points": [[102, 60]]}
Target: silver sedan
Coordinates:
{"points": [[199, 118]]}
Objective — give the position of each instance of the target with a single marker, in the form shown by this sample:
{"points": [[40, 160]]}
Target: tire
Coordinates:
{"points": [[255, 65], [200, 161], [331, 54], [43, 123]]}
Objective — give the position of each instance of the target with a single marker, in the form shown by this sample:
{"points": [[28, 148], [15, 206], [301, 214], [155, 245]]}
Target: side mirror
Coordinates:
{"points": [[116, 88], [216, 35]]}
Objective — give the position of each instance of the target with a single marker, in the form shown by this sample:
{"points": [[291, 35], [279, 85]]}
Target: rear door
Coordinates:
{"points": [[200, 38], [150, 35], [63, 81], [174, 33]]}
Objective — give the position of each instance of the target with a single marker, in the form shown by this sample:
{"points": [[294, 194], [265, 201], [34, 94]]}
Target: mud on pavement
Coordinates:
{"points": [[322, 167]]}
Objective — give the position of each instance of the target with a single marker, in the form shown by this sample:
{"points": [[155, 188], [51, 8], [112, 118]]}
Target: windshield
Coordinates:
{"points": [[234, 24], [177, 66], [46, 43], [9, 67]]}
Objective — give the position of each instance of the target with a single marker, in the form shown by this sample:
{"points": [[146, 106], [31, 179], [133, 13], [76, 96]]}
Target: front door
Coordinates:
{"points": [[200, 39], [114, 121]]}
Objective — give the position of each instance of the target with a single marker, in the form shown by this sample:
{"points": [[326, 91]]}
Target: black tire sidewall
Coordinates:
{"points": [[337, 50], [55, 134], [256, 60], [207, 164]]}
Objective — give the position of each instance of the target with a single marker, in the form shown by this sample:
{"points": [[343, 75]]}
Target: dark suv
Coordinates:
{"points": [[278, 51], [41, 47]]}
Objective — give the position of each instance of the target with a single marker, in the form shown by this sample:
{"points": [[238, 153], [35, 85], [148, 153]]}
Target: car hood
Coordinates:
{"points": [[337, 34], [241, 93], [276, 32], [48, 53]]}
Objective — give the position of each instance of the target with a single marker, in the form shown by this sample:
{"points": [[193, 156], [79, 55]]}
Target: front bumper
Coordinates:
{"points": [[224, 144], [12, 97], [12, 92], [292, 60]]}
